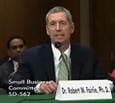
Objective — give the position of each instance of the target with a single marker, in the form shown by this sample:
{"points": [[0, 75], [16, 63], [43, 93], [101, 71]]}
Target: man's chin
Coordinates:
{"points": [[59, 40]]}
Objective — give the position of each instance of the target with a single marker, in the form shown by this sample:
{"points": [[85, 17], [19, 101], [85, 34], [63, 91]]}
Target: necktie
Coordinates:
{"points": [[64, 67], [16, 65]]}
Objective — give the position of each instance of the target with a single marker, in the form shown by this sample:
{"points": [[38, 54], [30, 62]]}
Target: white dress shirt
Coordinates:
{"points": [[15, 64]]}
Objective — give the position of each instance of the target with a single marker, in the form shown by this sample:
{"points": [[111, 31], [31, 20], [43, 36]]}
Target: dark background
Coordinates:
{"points": [[27, 18]]}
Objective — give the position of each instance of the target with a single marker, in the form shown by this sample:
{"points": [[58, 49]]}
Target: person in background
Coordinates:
{"points": [[15, 45], [43, 63], [113, 63], [1, 61]]}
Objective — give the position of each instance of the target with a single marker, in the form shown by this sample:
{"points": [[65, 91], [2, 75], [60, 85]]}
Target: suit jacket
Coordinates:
{"points": [[37, 63], [5, 70], [2, 61]]}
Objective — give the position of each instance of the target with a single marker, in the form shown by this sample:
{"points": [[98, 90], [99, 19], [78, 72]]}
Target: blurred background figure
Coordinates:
{"points": [[15, 45], [113, 63], [1, 61]]}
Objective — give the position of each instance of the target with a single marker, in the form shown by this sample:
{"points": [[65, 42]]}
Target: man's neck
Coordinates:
{"points": [[64, 47]]}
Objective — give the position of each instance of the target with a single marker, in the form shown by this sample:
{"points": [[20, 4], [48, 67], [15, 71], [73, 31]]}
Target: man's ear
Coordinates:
{"points": [[8, 52], [72, 28], [47, 30]]}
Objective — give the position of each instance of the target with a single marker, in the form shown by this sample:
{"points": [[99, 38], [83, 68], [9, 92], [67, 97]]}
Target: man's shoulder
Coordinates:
{"points": [[82, 52], [5, 65], [36, 51], [38, 48], [82, 49]]}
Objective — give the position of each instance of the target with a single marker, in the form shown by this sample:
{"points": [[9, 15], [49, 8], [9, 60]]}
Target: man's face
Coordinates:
{"points": [[59, 28], [16, 48]]}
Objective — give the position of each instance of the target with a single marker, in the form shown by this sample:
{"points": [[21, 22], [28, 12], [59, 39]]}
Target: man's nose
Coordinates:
{"points": [[18, 49], [58, 26]]}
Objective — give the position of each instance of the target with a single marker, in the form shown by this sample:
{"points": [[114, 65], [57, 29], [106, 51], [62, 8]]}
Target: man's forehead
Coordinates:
{"points": [[16, 42], [58, 15]]}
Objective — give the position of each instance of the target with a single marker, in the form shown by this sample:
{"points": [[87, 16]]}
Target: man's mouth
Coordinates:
{"points": [[59, 35]]}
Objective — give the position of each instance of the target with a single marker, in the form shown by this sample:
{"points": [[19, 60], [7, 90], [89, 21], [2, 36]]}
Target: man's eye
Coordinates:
{"points": [[62, 23], [19, 46], [52, 23], [13, 47]]}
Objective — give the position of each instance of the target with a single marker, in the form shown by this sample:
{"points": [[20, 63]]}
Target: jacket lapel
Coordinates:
{"points": [[11, 66], [49, 63]]}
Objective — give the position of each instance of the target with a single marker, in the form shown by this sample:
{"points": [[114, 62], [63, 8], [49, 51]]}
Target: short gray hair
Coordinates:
{"points": [[59, 9]]}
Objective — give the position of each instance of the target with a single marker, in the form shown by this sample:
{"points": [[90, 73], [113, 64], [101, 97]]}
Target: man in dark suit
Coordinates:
{"points": [[15, 45], [42, 62]]}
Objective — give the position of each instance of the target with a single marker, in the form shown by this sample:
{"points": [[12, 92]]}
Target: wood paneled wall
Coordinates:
{"points": [[27, 17], [103, 27]]}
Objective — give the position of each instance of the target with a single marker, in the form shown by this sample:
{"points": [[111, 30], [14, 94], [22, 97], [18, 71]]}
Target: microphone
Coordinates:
{"points": [[58, 46]]}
